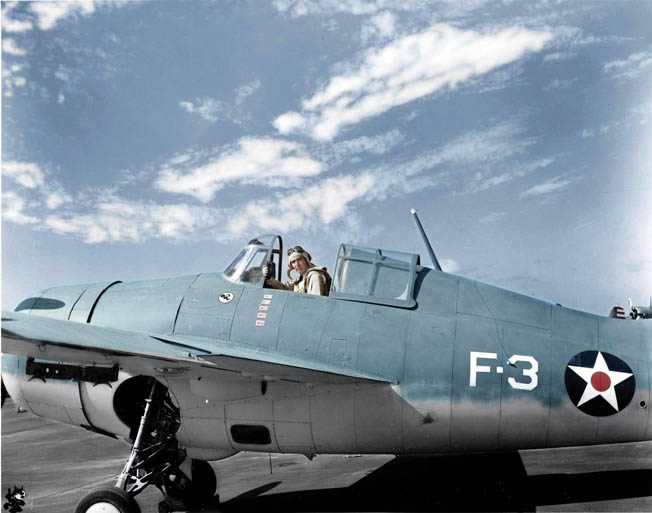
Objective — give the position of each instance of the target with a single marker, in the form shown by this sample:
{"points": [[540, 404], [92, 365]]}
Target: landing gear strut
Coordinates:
{"points": [[156, 458]]}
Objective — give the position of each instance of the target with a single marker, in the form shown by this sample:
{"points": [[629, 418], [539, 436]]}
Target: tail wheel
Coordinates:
{"points": [[107, 500], [196, 493]]}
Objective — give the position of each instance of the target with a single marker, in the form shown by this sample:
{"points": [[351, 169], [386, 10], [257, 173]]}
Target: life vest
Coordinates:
{"points": [[301, 284]]}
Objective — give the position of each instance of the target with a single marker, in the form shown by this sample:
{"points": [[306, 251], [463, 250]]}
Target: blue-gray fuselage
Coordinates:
{"points": [[468, 367]]}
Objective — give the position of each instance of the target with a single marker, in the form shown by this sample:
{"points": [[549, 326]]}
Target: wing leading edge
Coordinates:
{"points": [[138, 352]]}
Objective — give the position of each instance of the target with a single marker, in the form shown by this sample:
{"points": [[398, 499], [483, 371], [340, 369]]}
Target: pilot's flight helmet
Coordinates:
{"points": [[298, 252], [294, 254]]}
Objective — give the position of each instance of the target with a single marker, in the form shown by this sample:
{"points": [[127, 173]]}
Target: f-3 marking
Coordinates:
{"points": [[530, 372]]}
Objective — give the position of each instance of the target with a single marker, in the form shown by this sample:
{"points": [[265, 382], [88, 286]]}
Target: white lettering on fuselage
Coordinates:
{"points": [[475, 368], [530, 373]]}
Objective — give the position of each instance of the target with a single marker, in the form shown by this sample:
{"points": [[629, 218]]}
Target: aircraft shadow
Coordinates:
{"points": [[452, 483]]}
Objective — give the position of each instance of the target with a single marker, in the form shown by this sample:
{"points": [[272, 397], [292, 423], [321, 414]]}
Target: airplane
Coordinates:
{"points": [[399, 358]]}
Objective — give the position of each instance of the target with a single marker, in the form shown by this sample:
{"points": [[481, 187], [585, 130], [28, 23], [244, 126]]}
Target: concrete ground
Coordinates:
{"points": [[57, 464]]}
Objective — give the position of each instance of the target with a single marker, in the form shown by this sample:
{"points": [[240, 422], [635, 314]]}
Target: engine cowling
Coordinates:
{"points": [[54, 390]]}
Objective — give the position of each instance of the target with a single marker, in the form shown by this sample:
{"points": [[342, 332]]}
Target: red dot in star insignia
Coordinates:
{"points": [[600, 381]]}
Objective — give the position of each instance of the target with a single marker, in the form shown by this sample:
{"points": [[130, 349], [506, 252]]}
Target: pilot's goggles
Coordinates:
{"points": [[296, 249], [296, 253]]}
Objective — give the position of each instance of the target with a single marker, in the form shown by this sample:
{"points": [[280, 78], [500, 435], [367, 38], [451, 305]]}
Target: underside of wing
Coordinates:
{"points": [[87, 344]]}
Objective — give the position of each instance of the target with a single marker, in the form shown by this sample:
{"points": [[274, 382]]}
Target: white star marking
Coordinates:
{"points": [[590, 392]]}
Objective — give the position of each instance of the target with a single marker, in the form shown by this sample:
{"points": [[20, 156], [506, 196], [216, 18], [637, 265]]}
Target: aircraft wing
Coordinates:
{"points": [[138, 352]]}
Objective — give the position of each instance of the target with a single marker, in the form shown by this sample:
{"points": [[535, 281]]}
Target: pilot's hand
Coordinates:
{"points": [[266, 270]]}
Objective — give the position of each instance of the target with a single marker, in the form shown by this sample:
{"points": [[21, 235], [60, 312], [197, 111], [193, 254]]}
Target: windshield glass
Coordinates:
{"points": [[248, 265]]}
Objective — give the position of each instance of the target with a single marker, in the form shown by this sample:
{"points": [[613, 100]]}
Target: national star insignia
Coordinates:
{"points": [[600, 381]]}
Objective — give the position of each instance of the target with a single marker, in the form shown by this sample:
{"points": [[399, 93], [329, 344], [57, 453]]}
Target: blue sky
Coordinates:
{"points": [[150, 139]]}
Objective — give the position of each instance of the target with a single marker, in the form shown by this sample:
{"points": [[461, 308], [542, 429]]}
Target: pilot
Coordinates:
{"points": [[312, 279]]}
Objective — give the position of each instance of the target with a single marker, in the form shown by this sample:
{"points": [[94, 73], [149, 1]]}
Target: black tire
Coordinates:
{"points": [[115, 497], [195, 494], [5, 394]]}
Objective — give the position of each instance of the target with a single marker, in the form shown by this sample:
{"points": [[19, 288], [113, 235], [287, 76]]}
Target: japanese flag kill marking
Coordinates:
{"points": [[599, 383]]}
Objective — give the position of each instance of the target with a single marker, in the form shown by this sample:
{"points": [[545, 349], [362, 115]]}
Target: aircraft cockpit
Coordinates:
{"points": [[247, 267], [361, 274]]}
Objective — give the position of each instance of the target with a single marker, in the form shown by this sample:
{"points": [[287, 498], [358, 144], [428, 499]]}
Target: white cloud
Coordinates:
{"points": [[558, 56], [62, 74], [98, 215], [492, 181], [243, 92], [560, 84], [494, 216], [257, 161], [486, 180], [552, 185], [634, 65], [12, 209], [377, 145], [207, 108], [55, 199], [26, 174], [11, 25], [289, 122], [297, 8], [212, 109], [9, 46], [380, 26], [493, 144], [115, 220], [49, 13], [408, 69], [334, 200], [333, 154], [46, 191], [313, 204], [471, 163], [321, 204]]}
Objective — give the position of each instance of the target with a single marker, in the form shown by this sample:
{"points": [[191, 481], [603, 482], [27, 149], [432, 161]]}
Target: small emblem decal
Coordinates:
{"points": [[226, 297], [15, 499], [598, 383]]}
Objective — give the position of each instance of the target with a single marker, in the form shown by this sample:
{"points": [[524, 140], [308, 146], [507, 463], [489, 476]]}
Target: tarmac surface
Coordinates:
{"points": [[57, 464]]}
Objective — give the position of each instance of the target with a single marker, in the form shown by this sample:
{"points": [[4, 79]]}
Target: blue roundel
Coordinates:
{"points": [[599, 383]]}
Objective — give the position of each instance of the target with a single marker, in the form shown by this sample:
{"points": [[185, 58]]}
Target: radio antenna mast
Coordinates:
{"points": [[435, 262]]}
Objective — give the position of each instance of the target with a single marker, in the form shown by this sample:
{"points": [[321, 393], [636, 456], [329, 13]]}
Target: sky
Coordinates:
{"points": [[150, 139]]}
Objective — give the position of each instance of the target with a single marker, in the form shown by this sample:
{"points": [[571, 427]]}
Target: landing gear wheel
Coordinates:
{"points": [[107, 500], [182, 493]]}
